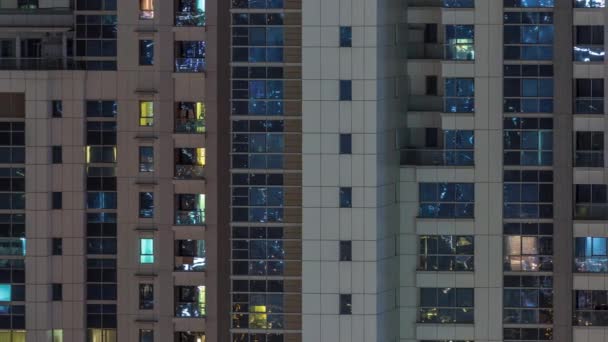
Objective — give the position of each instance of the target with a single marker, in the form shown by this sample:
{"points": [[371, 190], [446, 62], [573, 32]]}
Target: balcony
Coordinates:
{"points": [[189, 217], [190, 264], [442, 3], [437, 157], [37, 63], [589, 159], [592, 212], [190, 65], [425, 51], [425, 103], [190, 117], [189, 18], [190, 301], [189, 171], [11, 15]]}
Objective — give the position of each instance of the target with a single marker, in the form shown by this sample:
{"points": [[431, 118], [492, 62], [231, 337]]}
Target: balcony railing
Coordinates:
{"points": [[589, 159], [190, 65], [189, 171], [190, 18], [591, 212], [190, 310], [190, 264], [37, 64], [190, 126], [437, 157], [424, 51], [425, 103], [189, 217]]}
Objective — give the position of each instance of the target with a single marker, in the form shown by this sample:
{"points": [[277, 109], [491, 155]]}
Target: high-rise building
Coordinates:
{"points": [[303, 171]]}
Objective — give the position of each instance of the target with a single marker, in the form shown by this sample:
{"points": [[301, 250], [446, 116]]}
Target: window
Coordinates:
{"points": [[190, 13], [146, 335], [460, 42], [458, 4], [346, 88], [101, 280], [101, 109], [528, 36], [189, 336], [588, 43], [346, 197], [430, 33], [446, 200], [346, 36], [190, 301], [190, 56], [590, 202], [57, 246], [57, 154], [346, 305], [12, 188], [590, 308], [528, 88], [528, 247], [146, 251], [589, 3], [190, 163], [146, 10], [101, 233], [57, 200], [446, 252], [589, 149], [146, 113], [589, 96], [528, 300], [56, 108], [190, 117], [528, 141], [528, 3], [190, 255], [346, 143], [12, 142], [446, 305], [459, 95], [146, 205], [527, 334], [590, 255], [431, 85], [527, 194], [95, 37], [146, 159], [57, 335], [146, 52], [189, 209], [346, 248], [146, 296], [57, 290], [101, 335]]}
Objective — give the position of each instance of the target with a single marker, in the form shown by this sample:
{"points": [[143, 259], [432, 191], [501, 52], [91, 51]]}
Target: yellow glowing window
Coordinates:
{"points": [[146, 9], [202, 305], [258, 319], [57, 335], [200, 156], [146, 113], [12, 335], [101, 335]]}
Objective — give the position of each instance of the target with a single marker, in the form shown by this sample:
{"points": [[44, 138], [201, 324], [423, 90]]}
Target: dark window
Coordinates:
{"points": [[346, 307], [589, 96], [446, 200], [346, 36], [588, 43], [446, 252], [146, 159], [57, 292], [56, 108], [146, 204], [346, 250], [346, 197], [57, 200], [146, 335], [57, 246], [430, 33], [345, 143], [346, 89], [146, 296], [146, 52], [431, 85], [57, 154], [589, 149]]}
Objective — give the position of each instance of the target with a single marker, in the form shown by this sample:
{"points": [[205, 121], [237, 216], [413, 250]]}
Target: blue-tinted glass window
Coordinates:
{"points": [[346, 143], [589, 3], [346, 197], [589, 43], [146, 204], [529, 3], [346, 36], [346, 89], [146, 52], [528, 141], [459, 3], [446, 200], [459, 95]]}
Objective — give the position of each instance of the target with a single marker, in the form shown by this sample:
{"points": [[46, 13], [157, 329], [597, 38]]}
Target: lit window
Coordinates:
{"points": [[146, 251], [57, 335], [146, 113], [101, 335], [5, 292], [146, 9]]}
